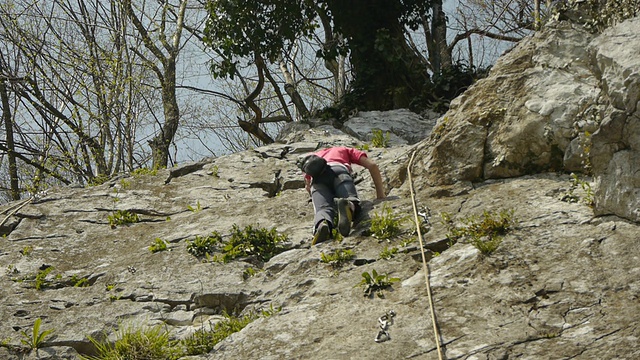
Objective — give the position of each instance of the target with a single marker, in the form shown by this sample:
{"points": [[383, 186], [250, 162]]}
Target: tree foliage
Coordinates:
{"points": [[373, 31], [241, 29]]}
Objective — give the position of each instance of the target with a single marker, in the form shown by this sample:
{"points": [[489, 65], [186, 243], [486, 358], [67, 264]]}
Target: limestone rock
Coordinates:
{"points": [[562, 100], [402, 126], [615, 154], [563, 283]]}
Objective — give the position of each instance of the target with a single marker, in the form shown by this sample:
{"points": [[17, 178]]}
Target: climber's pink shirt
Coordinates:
{"points": [[340, 155], [343, 155]]}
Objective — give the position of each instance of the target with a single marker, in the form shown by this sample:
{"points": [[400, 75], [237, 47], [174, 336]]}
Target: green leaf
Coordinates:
{"points": [[367, 277]]}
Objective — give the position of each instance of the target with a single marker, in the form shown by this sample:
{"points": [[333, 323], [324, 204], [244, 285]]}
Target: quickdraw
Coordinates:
{"points": [[385, 321]]}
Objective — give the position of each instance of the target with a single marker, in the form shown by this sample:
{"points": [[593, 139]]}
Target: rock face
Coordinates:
{"points": [[615, 153], [563, 283], [562, 100]]}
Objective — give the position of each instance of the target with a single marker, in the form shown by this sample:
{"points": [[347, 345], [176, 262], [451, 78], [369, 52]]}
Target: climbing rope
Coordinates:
{"points": [[424, 260]]}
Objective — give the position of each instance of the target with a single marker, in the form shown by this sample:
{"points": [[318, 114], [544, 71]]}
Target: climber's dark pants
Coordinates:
{"points": [[325, 189]]}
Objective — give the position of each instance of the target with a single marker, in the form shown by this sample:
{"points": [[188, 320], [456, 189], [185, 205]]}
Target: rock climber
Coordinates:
{"points": [[329, 182]]}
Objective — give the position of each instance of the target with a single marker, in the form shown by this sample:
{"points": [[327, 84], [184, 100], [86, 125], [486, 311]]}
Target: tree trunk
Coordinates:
{"points": [[161, 142], [387, 72], [166, 75], [536, 15], [11, 150], [440, 58], [290, 88]]}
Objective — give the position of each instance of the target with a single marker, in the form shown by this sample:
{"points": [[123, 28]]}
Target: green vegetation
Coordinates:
{"points": [[375, 283], [79, 282], [387, 253], [385, 225], [203, 341], [485, 232], [158, 245], [407, 242], [379, 140], [122, 217], [196, 208], [27, 250], [215, 172], [36, 339], [202, 246], [259, 242], [337, 258], [249, 272], [142, 343], [154, 343], [125, 184], [41, 278], [571, 196], [138, 173], [98, 180]]}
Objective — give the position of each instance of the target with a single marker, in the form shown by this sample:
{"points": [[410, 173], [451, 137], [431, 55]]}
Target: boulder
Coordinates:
{"points": [[562, 100]]}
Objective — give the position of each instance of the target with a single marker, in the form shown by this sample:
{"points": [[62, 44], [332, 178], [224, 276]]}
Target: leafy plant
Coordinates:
{"points": [[337, 258], [195, 209], [215, 172], [375, 282], [142, 343], [201, 245], [36, 339], [270, 311], [138, 173], [158, 245], [259, 242], [125, 184], [407, 242], [122, 217], [387, 253], [27, 250], [79, 282], [485, 232], [385, 225], [249, 272], [379, 140], [41, 278], [203, 341], [571, 196], [98, 180]]}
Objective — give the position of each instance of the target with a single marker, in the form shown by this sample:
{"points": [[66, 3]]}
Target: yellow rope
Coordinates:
{"points": [[424, 260]]}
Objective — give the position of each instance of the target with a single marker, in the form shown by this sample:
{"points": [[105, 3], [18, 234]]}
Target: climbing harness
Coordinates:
{"points": [[424, 260], [385, 321]]}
